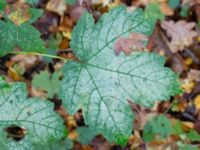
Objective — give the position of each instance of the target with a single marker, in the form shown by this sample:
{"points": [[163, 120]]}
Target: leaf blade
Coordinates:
{"points": [[42, 124], [101, 83]]}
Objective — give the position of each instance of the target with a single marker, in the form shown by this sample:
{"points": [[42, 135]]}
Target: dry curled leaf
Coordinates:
{"points": [[57, 6], [181, 34], [194, 75], [135, 41], [77, 13], [165, 9]]}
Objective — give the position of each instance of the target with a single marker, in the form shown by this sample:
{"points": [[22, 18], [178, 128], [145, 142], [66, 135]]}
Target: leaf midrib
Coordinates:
{"points": [[115, 124], [119, 72]]}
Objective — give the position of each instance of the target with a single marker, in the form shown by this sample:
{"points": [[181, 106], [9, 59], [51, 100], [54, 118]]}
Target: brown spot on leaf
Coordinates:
{"points": [[135, 42]]}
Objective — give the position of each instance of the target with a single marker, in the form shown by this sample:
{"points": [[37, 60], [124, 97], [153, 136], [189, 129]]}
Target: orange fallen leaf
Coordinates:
{"points": [[165, 9], [73, 135]]}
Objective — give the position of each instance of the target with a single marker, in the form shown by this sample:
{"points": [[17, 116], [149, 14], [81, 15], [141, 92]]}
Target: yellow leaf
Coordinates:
{"points": [[188, 61], [19, 13], [197, 101], [187, 125], [13, 74], [72, 135], [188, 85]]}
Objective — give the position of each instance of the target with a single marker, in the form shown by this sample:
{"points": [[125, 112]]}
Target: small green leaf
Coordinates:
{"points": [[152, 11], [70, 2], [3, 84], [184, 10], [183, 146], [177, 128], [148, 133], [35, 14], [2, 5], [24, 36], [159, 125], [193, 136], [31, 1], [67, 144], [101, 82], [85, 134], [40, 124], [173, 3], [50, 83]]}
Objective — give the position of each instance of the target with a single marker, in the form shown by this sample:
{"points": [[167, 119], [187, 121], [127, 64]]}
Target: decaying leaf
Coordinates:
{"points": [[181, 34], [165, 9], [187, 85], [57, 6], [194, 75], [34, 118], [135, 41], [18, 13], [77, 13], [197, 101]]}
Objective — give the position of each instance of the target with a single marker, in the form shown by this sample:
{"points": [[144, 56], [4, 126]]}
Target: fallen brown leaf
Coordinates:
{"points": [[181, 34], [57, 6], [194, 75]]}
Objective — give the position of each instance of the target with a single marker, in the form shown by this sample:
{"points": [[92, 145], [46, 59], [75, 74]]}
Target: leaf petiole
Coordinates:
{"points": [[40, 54]]}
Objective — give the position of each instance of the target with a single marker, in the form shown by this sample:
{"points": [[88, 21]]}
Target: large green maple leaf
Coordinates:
{"points": [[101, 82], [33, 115]]}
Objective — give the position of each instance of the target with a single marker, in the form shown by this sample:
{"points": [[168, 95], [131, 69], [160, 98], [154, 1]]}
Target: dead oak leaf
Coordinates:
{"points": [[135, 41], [181, 34]]}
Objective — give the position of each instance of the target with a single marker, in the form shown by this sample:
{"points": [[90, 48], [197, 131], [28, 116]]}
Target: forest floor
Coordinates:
{"points": [[176, 37]]}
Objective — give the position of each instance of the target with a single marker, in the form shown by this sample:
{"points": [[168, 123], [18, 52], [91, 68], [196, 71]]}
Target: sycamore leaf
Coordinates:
{"points": [[24, 36], [36, 119], [101, 83], [181, 34], [50, 83], [134, 42]]}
